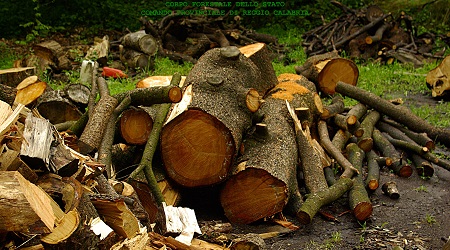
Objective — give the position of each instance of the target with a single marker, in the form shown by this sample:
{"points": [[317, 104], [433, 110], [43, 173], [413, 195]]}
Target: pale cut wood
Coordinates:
{"points": [[13, 76], [30, 93], [99, 52], [24, 207], [27, 82], [5, 111], [155, 81], [5, 126], [438, 79], [64, 228], [38, 136]]}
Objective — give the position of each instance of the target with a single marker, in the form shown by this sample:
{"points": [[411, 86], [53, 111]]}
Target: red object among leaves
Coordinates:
{"points": [[114, 73]]}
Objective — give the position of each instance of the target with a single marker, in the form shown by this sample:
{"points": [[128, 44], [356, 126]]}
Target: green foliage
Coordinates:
{"points": [[7, 56]]}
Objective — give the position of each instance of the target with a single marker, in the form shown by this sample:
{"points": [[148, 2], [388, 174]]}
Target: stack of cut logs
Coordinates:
{"points": [[371, 33], [230, 124]]}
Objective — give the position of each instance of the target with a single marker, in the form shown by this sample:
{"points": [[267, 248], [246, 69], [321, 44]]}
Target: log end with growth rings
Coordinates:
{"points": [[363, 211], [338, 69], [253, 194], [197, 149]]}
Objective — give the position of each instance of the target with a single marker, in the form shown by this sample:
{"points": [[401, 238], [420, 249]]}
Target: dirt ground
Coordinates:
{"points": [[419, 219]]}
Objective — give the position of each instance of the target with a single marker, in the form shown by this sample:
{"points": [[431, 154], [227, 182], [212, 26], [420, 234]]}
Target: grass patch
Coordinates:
{"points": [[7, 56]]}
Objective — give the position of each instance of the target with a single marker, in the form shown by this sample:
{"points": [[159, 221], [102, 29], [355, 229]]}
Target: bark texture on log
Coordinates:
{"points": [[53, 52], [199, 145], [56, 108]]}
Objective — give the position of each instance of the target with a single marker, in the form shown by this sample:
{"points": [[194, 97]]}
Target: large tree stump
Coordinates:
{"points": [[13, 76], [199, 145], [438, 79]]}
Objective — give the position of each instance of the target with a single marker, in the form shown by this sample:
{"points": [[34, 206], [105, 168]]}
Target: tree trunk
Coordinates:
{"points": [[140, 41], [13, 76], [199, 145]]}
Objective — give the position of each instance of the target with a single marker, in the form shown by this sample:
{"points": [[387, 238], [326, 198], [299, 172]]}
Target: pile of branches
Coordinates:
{"points": [[372, 33], [187, 37]]}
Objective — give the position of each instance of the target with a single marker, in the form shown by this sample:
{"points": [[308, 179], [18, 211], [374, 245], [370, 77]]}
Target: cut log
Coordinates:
{"points": [[13, 76], [373, 171], [390, 189], [327, 69], [7, 94], [52, 52], [92, 135], [135, 126], [387, 149], [438, 79], [53, 106], [135, 59], [78, 94], [378, 34], [141, 41], [259, 54], [420, 138], [38, 136], [365, 142], [153, 95], [199, 145], [24, 207], [155, 81], [358, 198], [398, 113], [317, 200], [246, 200], [336, 107]]}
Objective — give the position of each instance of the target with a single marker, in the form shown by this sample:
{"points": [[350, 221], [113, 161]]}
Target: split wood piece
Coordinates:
{"points": [[422, 151], [407, 144], [169, 191], [387, 149], [53, 52], [373, 171], [64, 229], [221, 84], [420, 138], [13, 76], [61, 159], [78, 94], [248, 241], [105, 148], [92, 135], [37, 139], [7, 94], [99, 52], [259, 54], [94, 91], [317, 200], [5, 111], [327, 69], [336, 107], [358, 197], [398, 113], [310, 158], [438, 78], [10, 161], [342, 122], [365, 142], [24, 207], [140, 41], [378, 34], [117, 215], [135, 126], [29, 90], [177, 220], [349, 170], [12, 118], [53, 106], [156, 81], [135, 59], [245, 200], [391, 190]]}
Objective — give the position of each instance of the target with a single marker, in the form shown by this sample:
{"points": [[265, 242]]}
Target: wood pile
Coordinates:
{"points": [[370, 33], [267, 143]]}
